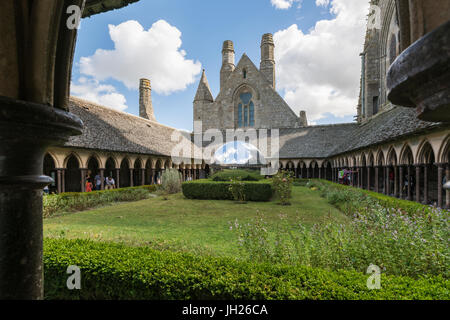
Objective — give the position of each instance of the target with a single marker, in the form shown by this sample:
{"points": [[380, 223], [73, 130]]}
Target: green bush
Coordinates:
{"points": [[282, 184], [219, 190], [76, 201], [171, 181], [298, 182], [114, 271], [237, 174]]}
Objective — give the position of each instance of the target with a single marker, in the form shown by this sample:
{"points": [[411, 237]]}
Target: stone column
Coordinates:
{"points": [[368, 178], [118, 178], [440, 178], [63, 180], [425, 184], [388, 181], [307, 173], [320, 173], [377, 178], [58, 181], [83, 179], [142, 176], [396, 181], [131, 177], [401, 182], [102, 178], [409, 183], [417, 182], [447, 192]]}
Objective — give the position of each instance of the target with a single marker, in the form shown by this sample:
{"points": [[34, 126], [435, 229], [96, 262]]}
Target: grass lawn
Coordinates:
{"points": [[200, 226]]}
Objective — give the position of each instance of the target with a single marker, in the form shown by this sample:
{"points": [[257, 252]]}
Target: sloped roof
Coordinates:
{"points": [[386, 126], [98, 6], [110, 130]]}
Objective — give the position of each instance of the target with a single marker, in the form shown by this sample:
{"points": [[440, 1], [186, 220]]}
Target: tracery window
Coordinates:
{"points": [[246, 110]]}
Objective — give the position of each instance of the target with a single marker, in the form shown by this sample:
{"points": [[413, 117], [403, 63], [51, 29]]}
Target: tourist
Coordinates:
{"points": [[98, 182], [88, 185], [110, 183]]}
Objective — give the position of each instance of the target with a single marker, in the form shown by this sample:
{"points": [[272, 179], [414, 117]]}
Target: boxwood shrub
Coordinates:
{"points": [[76, 201], [115, 271], [218, 190], [244, 175]]}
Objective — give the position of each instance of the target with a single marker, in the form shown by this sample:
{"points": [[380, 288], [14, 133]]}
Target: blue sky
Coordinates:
{"points": [[204, 25]]}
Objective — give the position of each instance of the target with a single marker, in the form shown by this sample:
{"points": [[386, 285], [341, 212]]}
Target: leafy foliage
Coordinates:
{"points": [[171, 181], [219, 190], [282, 183], [115, 271], [55, 204], [237, 174]]}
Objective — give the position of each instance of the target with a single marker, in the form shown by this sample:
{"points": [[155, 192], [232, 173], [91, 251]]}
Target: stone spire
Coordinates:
{"points": [[145, 100], [203, 91]]}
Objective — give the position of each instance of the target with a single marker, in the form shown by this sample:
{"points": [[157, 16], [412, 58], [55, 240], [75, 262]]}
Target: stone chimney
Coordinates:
{"points": [[303, 119], [227, 62], [145, 100], [267, 66]]}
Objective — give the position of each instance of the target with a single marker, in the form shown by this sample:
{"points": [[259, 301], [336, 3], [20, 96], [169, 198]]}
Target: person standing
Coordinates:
{"points": [[98, 182]]}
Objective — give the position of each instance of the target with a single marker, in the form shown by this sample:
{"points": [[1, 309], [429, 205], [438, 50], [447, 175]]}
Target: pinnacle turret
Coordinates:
{"points": [[203, 91]]}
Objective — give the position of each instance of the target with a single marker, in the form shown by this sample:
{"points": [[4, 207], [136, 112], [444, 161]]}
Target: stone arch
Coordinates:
{"points": [[110, 168], [425, 152], [137, 172], [380, 158], [49, 169], [93, 166], [406, 155], [391, 158], [72, 154], [444, 151], [124, 173], [72, 179]]}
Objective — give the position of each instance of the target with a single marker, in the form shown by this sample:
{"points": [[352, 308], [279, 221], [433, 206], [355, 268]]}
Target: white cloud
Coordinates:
{"points": [[322, 3], [285, 4], [140, 53], [320, 69], [105, 95]]}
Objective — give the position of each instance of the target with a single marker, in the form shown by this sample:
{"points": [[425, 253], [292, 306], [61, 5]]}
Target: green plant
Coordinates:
{"points": [[219, 190], [171, 181], [237, 189], [282, 184], [55, 204], [233, 174], [114, 271]]}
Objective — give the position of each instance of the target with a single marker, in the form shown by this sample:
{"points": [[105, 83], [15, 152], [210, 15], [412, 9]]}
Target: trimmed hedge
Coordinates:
{"points": [[218, 190], [76, 201], [411, 207], [115, 271], [244, 175]]}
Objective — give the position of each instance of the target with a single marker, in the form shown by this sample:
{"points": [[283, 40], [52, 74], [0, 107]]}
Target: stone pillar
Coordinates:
{"points": [[377, 179], [409, 197], [63, 180], [59, 180], [118, 178], [307, 173], [102, 177], [447, 192], [401, 182], [320, 173], [368, 178], [396, 181], [27, 129], [388, 181], [418, 183], [142, 176], [425, 184], [83, 179], [440, 178]]}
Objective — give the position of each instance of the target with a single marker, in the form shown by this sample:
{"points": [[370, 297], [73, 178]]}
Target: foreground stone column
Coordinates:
{"points": [[118, 178], [59, 180], [102, 177], [26, 130]]}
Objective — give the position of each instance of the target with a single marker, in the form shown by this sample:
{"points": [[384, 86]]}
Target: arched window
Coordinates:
{"points": [[246, 110]]}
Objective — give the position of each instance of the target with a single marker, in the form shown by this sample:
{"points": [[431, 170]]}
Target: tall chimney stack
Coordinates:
{"points": [[267, 66], [227, 62], [145, 100], [303, 119]]}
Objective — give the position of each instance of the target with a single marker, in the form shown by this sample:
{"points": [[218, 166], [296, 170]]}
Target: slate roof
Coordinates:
{"points": [[110, 130], [98, 6], [387, 126]]}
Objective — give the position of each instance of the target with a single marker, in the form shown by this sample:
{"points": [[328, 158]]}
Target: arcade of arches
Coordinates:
{"points": [[70, 167], [414, 169]]}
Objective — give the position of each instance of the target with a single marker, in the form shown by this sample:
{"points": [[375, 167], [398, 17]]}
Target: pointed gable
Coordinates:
{"points": [[203, 90]]}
